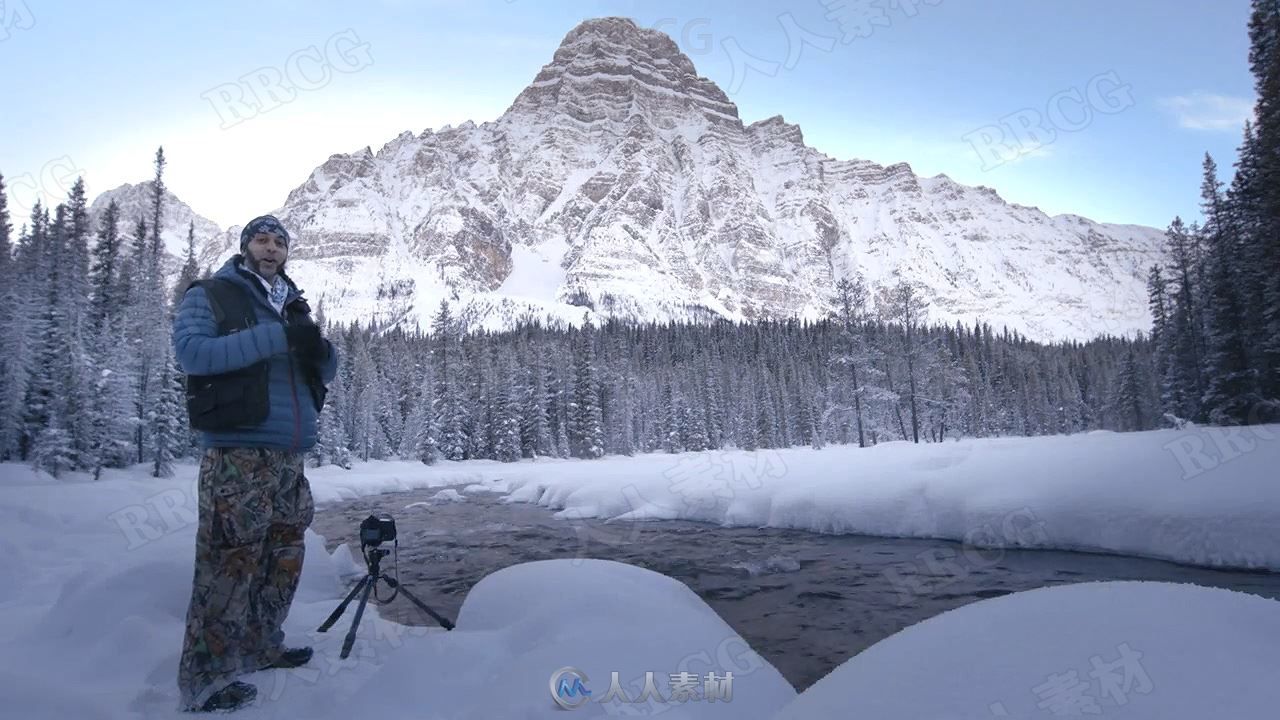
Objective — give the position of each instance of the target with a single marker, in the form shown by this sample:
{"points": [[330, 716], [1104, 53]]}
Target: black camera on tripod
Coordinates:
{"points": [[377, 529]]}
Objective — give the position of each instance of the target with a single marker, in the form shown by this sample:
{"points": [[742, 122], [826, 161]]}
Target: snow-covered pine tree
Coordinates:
{"points": [[345, 340], [46, 397], [157, 212], [332, 443], [422, 429], [1244, 206], [76, 286], [586, 426], [746, 433], [768, 434], [410, 380], [905, 306], [10, 332], [976, 374], [1161, 333], [559, 395], [169, 439], [1264, 241], [783, 379], [1069, 417], [477, 378], [190, 269], [506, 412], [851, 357], [370, 440], [152, 331], [388, 417], [129, 281], [1183, 381], [713, 394], [535, 428], [51, 448], [624, 412], [19, 339], [396, 383], [946, 399], [562, 438], [6, 240], [668, 412], [693, 432], [80, 364], [103, 300], [1231, 392], [1128, 403], [446, 359], [111, 412]]}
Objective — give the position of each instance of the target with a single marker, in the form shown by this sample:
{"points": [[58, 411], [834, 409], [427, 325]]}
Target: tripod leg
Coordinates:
{"points": [[337, 613], [355, 622], [395, 585]]}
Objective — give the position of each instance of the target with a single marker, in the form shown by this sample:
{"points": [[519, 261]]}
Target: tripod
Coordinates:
{"points": [[373, 558]]}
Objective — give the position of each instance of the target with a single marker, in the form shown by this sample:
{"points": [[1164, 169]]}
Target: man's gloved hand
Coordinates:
{"points": [[306, 343]]}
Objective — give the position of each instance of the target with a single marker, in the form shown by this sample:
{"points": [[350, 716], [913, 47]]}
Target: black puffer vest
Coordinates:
{"points": [[239, 399]]}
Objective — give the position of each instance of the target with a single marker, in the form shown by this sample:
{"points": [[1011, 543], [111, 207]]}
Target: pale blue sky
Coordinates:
{"points": [[1137, 90]]}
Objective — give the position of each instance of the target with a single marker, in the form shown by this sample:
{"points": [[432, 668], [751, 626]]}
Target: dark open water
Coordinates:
{"points": [[806, 602]]}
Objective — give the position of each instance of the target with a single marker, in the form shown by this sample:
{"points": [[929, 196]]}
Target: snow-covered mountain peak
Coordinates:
{"points": [[777, 130], [135, 201], [620, 182], [610, 70]]}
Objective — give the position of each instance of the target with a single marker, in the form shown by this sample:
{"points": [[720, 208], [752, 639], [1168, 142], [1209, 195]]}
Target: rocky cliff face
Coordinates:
{"points": [[621, 180]]}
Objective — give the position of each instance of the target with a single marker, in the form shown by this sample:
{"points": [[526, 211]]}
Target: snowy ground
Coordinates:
{"points": [[95, 578]]}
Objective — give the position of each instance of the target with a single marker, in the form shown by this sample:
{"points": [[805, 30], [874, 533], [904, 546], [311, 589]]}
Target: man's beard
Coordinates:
{"points": [[255, 265]]}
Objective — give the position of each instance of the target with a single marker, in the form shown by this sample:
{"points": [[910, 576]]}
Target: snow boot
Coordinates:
{"points": [[292, 658], [232, 697]]}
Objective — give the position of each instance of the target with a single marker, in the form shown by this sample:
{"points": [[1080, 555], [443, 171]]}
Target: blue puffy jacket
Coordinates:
{"points": [[291, 421]]}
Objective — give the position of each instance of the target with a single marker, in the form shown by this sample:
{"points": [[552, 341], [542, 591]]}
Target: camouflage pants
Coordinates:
{"points": [[255, 506]]}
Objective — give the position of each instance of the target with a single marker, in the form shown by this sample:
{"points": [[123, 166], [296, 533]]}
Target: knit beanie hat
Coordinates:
{"points": [[269, 224]]}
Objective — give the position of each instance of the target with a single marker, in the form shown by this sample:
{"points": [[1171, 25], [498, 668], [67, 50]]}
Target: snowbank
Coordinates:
{"points": [[1204, 496]]}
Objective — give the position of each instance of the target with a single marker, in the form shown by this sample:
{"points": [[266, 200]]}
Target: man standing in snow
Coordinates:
{"points": [[257, 369]]}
